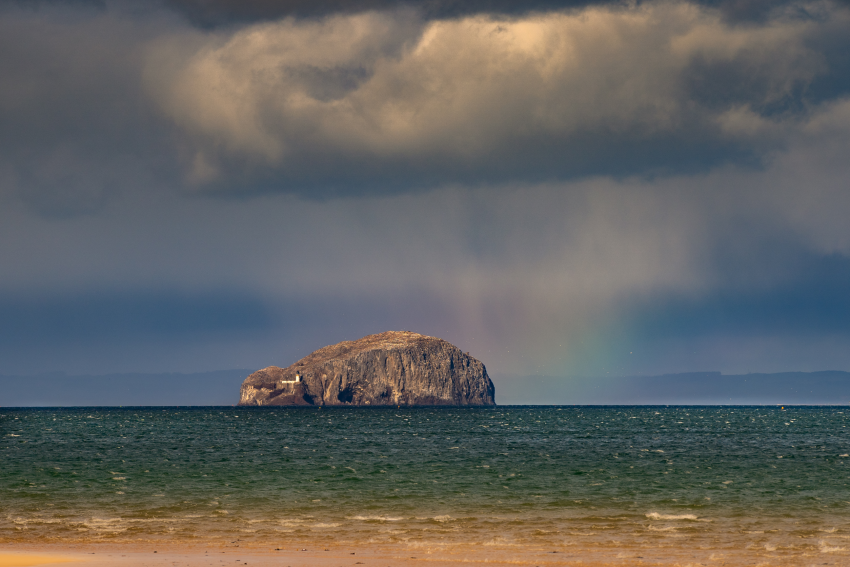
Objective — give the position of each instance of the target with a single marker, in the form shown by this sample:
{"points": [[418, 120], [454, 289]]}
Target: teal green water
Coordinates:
{"points": [[757, 478]]}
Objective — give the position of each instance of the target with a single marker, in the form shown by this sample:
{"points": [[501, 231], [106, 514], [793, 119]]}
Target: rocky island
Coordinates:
{"points": [[396, 368]]}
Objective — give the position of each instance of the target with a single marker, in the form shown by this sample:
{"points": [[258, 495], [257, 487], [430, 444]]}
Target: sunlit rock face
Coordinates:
{"points": [[396, 368]]}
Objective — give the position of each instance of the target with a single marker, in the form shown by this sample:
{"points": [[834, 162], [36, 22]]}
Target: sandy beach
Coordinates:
{"points": [[195, 558], [125, 556]]}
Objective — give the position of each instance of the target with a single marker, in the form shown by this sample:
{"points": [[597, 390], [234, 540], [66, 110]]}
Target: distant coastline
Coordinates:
{"points": [[828, 387]]}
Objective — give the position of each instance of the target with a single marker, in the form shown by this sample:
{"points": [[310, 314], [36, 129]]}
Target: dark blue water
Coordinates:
{"points": [[765, 479]]}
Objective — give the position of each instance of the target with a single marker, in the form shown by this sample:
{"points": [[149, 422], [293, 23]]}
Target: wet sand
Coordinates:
{"points": [[25, 559], [186, 556]]}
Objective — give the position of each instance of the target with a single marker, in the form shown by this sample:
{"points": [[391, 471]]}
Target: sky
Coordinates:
{"points": [[560, 188]]}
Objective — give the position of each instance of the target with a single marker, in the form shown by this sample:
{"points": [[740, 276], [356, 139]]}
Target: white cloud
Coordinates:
{"points": [[374, 90]]}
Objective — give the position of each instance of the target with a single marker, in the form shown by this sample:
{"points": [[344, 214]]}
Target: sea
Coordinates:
{"points": [[704, 483]]}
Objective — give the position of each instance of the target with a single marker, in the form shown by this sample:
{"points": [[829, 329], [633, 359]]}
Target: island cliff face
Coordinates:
{"points": [[396, 368]]}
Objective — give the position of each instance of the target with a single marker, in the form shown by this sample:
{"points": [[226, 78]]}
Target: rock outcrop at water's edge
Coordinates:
{"points": [[388, 369]]}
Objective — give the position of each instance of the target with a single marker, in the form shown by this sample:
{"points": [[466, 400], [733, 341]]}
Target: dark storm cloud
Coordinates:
{"points": [[387, 102], [104, 316], [224, 12], [102, 99], [105, 331], [210, 13], [76, 127], [535, 185], [810, 300]]}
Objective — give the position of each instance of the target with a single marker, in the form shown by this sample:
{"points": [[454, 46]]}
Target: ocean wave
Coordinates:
{"points": [[376, 518], [500, 541], [657, 516], [825, 548], [111, 525], [35, 521]]}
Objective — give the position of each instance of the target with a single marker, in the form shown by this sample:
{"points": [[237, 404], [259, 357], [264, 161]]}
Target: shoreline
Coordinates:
{"points": [[192, 555]]}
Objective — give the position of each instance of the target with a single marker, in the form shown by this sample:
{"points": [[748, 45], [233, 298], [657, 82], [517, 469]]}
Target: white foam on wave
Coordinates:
{"points": [[110, 525], [376, 518], [442, 518], [154, 520], [36, 521], [500, 541], [426, 545], [825, 548], [657, 516]]}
